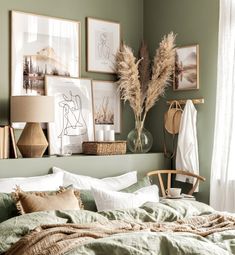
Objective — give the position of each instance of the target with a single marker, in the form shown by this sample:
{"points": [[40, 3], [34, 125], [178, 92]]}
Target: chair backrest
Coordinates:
{"points": [[169, 173]]}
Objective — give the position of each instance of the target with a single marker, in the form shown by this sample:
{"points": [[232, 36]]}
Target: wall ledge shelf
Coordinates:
{"points": [[96, 166]]}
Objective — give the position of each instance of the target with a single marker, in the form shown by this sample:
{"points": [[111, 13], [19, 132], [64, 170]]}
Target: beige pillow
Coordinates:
{"points": [[64, 199]]}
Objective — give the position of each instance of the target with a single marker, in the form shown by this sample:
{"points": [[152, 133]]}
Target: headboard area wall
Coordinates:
{"points": [[131, 21], [96, 166]]}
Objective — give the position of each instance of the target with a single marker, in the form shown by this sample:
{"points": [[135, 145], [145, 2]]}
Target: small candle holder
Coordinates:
{"points": [[99, 135]]}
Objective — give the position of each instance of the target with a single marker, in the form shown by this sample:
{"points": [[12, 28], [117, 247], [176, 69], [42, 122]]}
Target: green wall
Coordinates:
{"points": [[128, 12], [95, 166], [194, 22]]}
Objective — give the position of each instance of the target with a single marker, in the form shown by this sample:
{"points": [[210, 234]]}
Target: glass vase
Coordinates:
{"points": [[139, 140]]}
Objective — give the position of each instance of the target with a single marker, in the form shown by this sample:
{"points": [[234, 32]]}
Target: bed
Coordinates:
{"points": [[171, 226]]}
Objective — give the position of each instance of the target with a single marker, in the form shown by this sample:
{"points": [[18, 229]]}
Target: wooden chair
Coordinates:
{"points": [[159, 173]]}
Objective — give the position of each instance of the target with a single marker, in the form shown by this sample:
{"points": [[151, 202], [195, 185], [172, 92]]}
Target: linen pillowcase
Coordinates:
{"points": [[7, 207], [112, 200], [64, 199], [89, 201], [144, 182], [39, 183], [86, 182]]}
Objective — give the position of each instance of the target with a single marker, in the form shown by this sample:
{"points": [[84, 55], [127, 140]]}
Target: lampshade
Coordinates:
{"points": [[32, 109]]}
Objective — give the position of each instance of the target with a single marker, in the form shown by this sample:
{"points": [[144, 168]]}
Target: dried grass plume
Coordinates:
{"points": [[140, 85]]}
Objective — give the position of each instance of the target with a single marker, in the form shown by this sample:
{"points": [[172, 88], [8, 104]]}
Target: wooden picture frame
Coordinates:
{"points": [[42, 45], [186, 72], [74, 119], [103, 42], [107, 105], [41, 40]]}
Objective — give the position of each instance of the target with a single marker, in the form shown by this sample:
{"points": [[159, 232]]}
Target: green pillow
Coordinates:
{"points": [[7, 207], [138, 185], [89, 202]]}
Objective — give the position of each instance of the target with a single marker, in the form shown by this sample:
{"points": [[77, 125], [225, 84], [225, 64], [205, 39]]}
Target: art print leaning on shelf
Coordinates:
{"points": [[103, 42], [40, 46], [107, 104], [74, 121]]}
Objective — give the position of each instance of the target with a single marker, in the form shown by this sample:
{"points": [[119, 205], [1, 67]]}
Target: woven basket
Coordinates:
{"points": [[104, 148]]}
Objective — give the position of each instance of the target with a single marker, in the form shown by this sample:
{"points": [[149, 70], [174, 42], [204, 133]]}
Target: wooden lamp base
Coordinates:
{"points": [[32, 142]]}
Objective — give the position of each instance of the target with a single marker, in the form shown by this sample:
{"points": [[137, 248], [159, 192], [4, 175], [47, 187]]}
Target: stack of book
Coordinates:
{"points": [[7, 143]]}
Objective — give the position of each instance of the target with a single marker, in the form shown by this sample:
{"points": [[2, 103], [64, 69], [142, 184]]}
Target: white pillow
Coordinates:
{"points": [[86, 182], [112, 200], [38, 183]]}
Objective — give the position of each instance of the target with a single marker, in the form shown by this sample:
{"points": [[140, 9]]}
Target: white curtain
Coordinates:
{"points": [[222, 191]]}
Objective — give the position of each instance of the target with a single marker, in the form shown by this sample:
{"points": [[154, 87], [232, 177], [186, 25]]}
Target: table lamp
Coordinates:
{"points": [[33, 110]]}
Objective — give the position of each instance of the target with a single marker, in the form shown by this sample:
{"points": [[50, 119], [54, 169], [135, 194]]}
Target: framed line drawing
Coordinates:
{"points": [[186, 74], [103, 42], [107, 105], [42, 45], [74, 122]]}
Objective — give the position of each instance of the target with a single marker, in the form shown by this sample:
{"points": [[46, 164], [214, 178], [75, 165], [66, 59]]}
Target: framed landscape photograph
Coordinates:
{"points": [[74, 121], [103, 42], [40, 46], [107, 105], [186, 75]]}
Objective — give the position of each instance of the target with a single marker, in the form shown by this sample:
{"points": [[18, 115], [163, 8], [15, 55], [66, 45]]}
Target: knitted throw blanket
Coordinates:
{"points": [[61, 238]]}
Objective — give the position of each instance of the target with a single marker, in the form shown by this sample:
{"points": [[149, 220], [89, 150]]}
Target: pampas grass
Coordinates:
{"points": [[129, 83], [141, 85]]}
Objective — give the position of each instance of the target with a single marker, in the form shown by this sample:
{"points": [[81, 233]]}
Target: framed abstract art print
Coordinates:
{"points": [[103, 42], [107, 105], [74, 121]]}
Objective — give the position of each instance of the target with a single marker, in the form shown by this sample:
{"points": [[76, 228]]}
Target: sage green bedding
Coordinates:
{"points": [[129, 243]]}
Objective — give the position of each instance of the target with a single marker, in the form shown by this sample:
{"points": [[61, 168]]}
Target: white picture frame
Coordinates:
{"points": [[103, 42], [186, 73], [74, 121], [107, 105]]}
